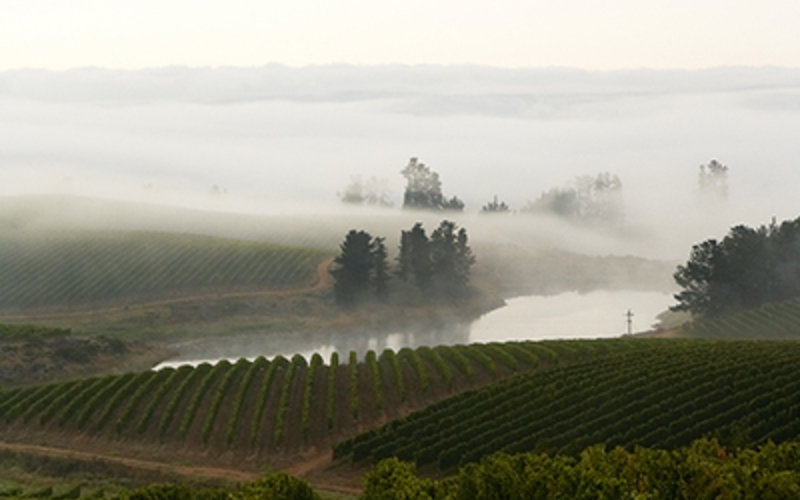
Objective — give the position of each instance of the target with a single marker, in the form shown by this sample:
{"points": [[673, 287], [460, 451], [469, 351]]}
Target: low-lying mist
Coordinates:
{"points": [[280, 144]]}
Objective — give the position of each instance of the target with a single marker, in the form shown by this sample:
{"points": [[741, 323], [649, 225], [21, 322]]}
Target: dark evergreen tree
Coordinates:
{"points": [[380, 266], [746, 269], [420, 256], [404, 268], [464, 258], [443, 256], [451, 259], [353, 268]]}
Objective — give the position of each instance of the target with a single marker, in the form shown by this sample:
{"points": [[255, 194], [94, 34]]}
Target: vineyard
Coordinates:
{"points": [[91, 269], [256, 409], [744, 393], [774, 320]]}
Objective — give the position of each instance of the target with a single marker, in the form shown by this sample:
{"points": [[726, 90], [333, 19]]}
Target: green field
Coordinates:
{"points": [[90, 269]]}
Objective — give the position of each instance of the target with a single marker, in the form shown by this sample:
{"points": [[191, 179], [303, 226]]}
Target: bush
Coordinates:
{"points": [[279, 486], [392, 479]]}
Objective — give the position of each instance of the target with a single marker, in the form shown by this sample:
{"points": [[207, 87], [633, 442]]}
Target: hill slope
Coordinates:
{"points": [[779, 320], [89, 269], [743, 392], [255, 411]]}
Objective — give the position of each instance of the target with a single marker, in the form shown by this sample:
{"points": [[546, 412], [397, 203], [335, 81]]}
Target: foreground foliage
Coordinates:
{"points": [[703, 470]]}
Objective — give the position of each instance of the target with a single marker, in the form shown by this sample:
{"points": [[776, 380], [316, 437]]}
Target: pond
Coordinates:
{"points": [[570, 315]]}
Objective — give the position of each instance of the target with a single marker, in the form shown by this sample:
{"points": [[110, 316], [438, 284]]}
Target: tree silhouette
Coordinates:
{"points": [[380, 267], [424, 189], [713, 180], [353, 268], [749, 267], [495, 206]]}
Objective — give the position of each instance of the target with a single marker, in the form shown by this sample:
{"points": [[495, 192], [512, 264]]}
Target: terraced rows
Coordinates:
{"points": [[745, 393], [775, 320], [266, 406], [99, 268]]}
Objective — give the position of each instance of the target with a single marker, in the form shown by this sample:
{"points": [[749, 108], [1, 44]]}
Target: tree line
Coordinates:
{"points": [[437, 265], [747, 268], [589, 199]]}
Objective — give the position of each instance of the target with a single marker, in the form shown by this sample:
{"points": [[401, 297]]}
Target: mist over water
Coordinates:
{"points": [[599, 314]]}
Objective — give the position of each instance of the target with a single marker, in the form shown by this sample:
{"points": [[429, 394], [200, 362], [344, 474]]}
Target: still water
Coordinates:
{"points": [[566, 316]]}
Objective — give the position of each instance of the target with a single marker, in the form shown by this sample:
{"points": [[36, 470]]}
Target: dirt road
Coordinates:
{"points": [[133, 463]]}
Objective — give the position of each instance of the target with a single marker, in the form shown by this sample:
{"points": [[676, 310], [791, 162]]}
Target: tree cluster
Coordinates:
{"points": [[373, 192], [495, 207], [424, 189], [436, 265], [749, 267], [592, 199]]}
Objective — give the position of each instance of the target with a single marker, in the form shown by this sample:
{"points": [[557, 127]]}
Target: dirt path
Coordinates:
{"points": [[195, 472], [313, 470], [324, 281], [133, 463]]}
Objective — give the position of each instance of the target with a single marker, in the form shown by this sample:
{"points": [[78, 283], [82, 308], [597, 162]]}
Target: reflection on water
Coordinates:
{"points": [[252, 345], [569, 315]]}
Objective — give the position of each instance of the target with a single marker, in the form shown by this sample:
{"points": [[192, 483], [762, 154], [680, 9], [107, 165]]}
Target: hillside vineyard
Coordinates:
{"points": [[257, 409], [744, 393]]}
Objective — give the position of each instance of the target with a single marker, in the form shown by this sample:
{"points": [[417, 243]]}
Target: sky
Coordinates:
{"points": [[587, 34]]}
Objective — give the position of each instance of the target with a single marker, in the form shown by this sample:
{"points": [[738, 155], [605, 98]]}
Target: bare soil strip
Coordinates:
{"points": [[180, 470]]}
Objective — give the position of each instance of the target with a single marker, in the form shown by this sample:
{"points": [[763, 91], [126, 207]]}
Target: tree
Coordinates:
{"points": [[749, 267], [420, 256], [404, 269], [713, 180], [380, 267], [494, 207], [440, 264], [424, 189], [562, 202], [590, 199], [374, 192], [464, 258], [353, 268]]}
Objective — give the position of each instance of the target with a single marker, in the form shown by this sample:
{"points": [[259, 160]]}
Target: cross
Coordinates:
{"points": [[629, 314]]}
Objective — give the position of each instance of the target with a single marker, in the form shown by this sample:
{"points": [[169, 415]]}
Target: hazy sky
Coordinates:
{"points": [[589, 34]]}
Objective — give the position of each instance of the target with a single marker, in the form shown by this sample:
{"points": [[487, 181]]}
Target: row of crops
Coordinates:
{"points": [[775, 320], [266, 405], [96, 268], [745, 393]]}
